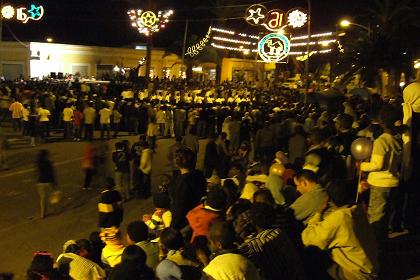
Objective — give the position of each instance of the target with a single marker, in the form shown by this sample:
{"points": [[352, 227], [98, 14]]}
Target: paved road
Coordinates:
{"points": [[22, 232]]}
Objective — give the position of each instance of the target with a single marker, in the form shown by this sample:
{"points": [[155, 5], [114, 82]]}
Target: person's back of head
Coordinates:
{"points": [[264, 196], [133, 254], [216, 199], [340, 192], [221, 236], [109, 183], [161, 200], [41, 265], [137, 231], [317, 136], [307, 175], [171, 239], [262, 215]]}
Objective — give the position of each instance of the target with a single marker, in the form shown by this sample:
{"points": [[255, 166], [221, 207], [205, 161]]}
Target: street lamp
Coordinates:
{"points": [[49, 40], [346, 23]]}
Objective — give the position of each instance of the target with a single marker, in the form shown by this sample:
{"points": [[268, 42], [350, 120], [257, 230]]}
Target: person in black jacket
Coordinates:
{"points": [[187, 189], [46, 179], [110, 206], [133, 266]]}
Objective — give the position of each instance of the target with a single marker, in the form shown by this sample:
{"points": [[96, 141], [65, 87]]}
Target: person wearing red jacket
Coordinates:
{"points": [[201, 217]]}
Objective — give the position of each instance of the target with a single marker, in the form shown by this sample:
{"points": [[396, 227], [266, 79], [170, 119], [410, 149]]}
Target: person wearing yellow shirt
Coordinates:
{"points": [[16, 108], [345, 234]]}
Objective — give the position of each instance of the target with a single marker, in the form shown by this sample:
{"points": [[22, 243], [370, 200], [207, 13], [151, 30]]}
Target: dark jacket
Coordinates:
{"points": [[186, 193], [46, 172]]}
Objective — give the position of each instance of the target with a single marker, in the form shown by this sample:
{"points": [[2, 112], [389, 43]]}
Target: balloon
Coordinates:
{"points": [[361, 148], [277, 169]]}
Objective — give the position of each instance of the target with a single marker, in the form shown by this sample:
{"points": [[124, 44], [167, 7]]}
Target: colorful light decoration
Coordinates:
{"points": [[33, 12], [274, 20], [195, 49], [147, 22], [274, 47]]}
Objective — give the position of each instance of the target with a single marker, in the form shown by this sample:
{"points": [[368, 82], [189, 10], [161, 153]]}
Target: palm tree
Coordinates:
{"points": [[391, 44]]}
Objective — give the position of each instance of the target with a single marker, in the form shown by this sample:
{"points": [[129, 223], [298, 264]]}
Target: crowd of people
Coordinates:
{"points": [[280, 194]]}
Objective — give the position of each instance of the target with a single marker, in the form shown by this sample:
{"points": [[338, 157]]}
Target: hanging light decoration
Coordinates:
{"points": [[148, 22]]}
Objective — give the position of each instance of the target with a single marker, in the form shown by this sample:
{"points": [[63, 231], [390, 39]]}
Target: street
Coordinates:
{"points": [[23, 232]]}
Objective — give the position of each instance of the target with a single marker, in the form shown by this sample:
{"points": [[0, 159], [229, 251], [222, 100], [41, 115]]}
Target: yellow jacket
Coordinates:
{"points": [[348, 237]]}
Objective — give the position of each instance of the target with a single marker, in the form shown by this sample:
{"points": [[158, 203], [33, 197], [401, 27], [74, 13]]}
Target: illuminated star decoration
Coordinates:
{"points": [[297, 19], [35, 11], [255, 15], [8, 12], [147, 22]]}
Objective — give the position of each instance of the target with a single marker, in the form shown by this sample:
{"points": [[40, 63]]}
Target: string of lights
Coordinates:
{"points": [[217, 38]]}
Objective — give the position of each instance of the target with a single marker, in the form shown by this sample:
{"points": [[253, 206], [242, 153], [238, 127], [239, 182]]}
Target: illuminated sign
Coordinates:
{"points": [[274, 47], [148, 22], [33, 12], [255, 15], [275, 20]]}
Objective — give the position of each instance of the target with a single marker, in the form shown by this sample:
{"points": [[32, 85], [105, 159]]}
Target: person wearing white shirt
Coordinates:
{"points": [[105, 121], [145, 168]]}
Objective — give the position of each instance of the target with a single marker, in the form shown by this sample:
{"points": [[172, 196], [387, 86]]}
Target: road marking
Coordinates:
{"points": [[28, 170]]}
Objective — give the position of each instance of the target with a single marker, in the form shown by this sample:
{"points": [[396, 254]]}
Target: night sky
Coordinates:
{"points": [[105, 22]]}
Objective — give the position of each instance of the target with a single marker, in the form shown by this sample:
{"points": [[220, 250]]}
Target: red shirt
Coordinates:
{"points": [[200, 219]]}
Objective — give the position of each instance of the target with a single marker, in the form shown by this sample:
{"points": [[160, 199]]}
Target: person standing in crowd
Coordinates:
{"points": [[77, 123], [160, 120], [145, 168], [16, 109], [89, 165], [297, 145], [89, 114], [152, 133], [190, 140], [170, 155], [44, 122], [25, 119], [46, 180], [384, 172], [121, 159], [110, 206], [32, 125], [116, 122], [68, 118], [211, 156], [105, 121], [188, 189], [264, 143]]}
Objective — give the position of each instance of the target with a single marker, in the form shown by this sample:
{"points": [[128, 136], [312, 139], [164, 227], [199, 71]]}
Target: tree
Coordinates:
{"points": [[388, 46]]}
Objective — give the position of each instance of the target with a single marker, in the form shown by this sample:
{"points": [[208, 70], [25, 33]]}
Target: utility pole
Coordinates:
{"points": [[184, 44], [308, 49]]}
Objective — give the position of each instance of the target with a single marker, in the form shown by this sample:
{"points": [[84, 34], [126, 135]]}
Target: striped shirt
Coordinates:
{"points": [[81, 268], [273, 253]]}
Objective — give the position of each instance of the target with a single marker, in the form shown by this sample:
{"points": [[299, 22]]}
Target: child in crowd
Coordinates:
{"points": [[110, 206], [162, 217]]}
